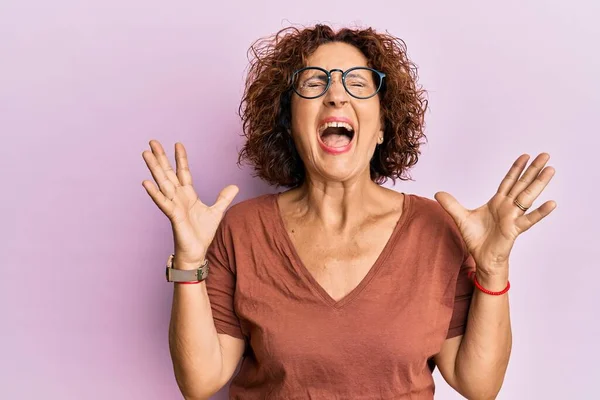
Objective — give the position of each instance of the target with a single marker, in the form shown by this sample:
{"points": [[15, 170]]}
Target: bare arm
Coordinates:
{"points": [[475, 364], [203, 360]]}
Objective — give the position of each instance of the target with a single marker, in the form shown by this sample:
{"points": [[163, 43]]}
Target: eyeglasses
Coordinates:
{"points": [[359, 82]]}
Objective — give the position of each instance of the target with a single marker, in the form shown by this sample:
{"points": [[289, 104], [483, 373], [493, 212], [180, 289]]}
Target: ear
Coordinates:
{"points": [[382, 126], [381, 132]]}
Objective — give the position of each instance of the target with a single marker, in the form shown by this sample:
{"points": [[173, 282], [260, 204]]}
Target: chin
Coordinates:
{"points": [[338, 171]]}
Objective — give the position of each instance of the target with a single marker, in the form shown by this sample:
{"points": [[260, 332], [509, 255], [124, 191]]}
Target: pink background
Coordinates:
{"points": [[85, 84]]}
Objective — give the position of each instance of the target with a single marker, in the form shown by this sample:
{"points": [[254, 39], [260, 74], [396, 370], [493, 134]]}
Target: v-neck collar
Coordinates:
{"points": [[312, 282]]}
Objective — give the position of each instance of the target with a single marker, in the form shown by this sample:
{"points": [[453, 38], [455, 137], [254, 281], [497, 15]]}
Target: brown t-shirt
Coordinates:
{"points": [[375, 343]]}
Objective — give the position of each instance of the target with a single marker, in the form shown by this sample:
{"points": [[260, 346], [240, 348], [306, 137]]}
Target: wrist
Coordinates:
{"points": [[187, 265], [492, 282]]}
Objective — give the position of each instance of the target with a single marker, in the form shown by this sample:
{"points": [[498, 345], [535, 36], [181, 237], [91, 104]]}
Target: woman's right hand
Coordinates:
{"points": [[194, 223]]}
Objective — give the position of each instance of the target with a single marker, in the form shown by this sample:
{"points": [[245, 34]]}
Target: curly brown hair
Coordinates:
{"points": [[265, 108]]}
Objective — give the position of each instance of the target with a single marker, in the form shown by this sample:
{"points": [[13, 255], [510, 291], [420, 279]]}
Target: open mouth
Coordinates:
{"points": [[336, 135]]}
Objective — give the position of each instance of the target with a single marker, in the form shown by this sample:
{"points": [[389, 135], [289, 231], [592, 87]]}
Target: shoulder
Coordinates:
{"points": [[433, 218], [249, 212], [429, 210], [243, 224]]}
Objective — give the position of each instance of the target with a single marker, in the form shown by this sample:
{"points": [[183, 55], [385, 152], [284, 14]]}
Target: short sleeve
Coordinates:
{"points": [[220, 284], [462, 299]]}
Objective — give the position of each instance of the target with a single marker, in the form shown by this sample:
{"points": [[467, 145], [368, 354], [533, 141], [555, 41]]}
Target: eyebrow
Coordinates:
{"points": [[317, 75], [353, 75]]}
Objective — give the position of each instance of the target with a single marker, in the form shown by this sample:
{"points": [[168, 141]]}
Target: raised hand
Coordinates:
{"points": [[194, 223], [491, 230]]}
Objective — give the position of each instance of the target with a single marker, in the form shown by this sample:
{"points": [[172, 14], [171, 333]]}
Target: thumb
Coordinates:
{"points": [[452, 206], [225, 198]]}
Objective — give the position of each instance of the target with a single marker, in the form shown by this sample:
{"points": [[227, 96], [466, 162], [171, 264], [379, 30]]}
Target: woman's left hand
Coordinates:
{"points": [[491, 230]]}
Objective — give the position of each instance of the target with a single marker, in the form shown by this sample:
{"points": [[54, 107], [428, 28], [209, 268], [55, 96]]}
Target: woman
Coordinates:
{"points": [[338, 287]]}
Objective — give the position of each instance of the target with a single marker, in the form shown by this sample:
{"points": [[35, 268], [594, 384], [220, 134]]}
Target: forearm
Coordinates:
{"points": [[484, 352], [193, 342]]}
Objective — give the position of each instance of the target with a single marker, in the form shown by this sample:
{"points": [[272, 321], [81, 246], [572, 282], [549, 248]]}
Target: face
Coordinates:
{"points": [[320, 126]]}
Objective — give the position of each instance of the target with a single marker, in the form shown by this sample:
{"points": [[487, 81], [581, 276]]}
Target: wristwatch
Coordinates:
{"points": [[182, 275]]}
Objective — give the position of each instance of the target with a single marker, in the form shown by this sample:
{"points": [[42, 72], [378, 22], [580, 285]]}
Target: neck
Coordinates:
{"points": [[337, 206]]}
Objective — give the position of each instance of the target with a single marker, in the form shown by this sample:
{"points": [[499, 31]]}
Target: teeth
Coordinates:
{"points": [[335, 124]]}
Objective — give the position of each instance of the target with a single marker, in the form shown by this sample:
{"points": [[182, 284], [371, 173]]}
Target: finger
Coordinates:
{"points": [[159, 175], [529, 176], [165, 205], [183, 169], [528, 220], [535, 188], [225, 198], [163, 160], [513, 174]]}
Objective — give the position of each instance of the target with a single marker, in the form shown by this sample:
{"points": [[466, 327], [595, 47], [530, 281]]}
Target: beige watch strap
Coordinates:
{"points": [[181, 275]]}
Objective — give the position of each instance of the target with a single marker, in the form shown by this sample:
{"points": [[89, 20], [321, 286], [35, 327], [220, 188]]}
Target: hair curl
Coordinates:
{"points": [[265, 108]]}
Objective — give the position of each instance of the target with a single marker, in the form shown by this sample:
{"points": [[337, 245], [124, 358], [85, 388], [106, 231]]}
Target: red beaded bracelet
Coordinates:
{"points": [[473, 276], [192, 282]]}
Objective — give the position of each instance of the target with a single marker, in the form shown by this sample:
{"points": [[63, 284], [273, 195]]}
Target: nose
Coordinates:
{"points": [[336, 95]]}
